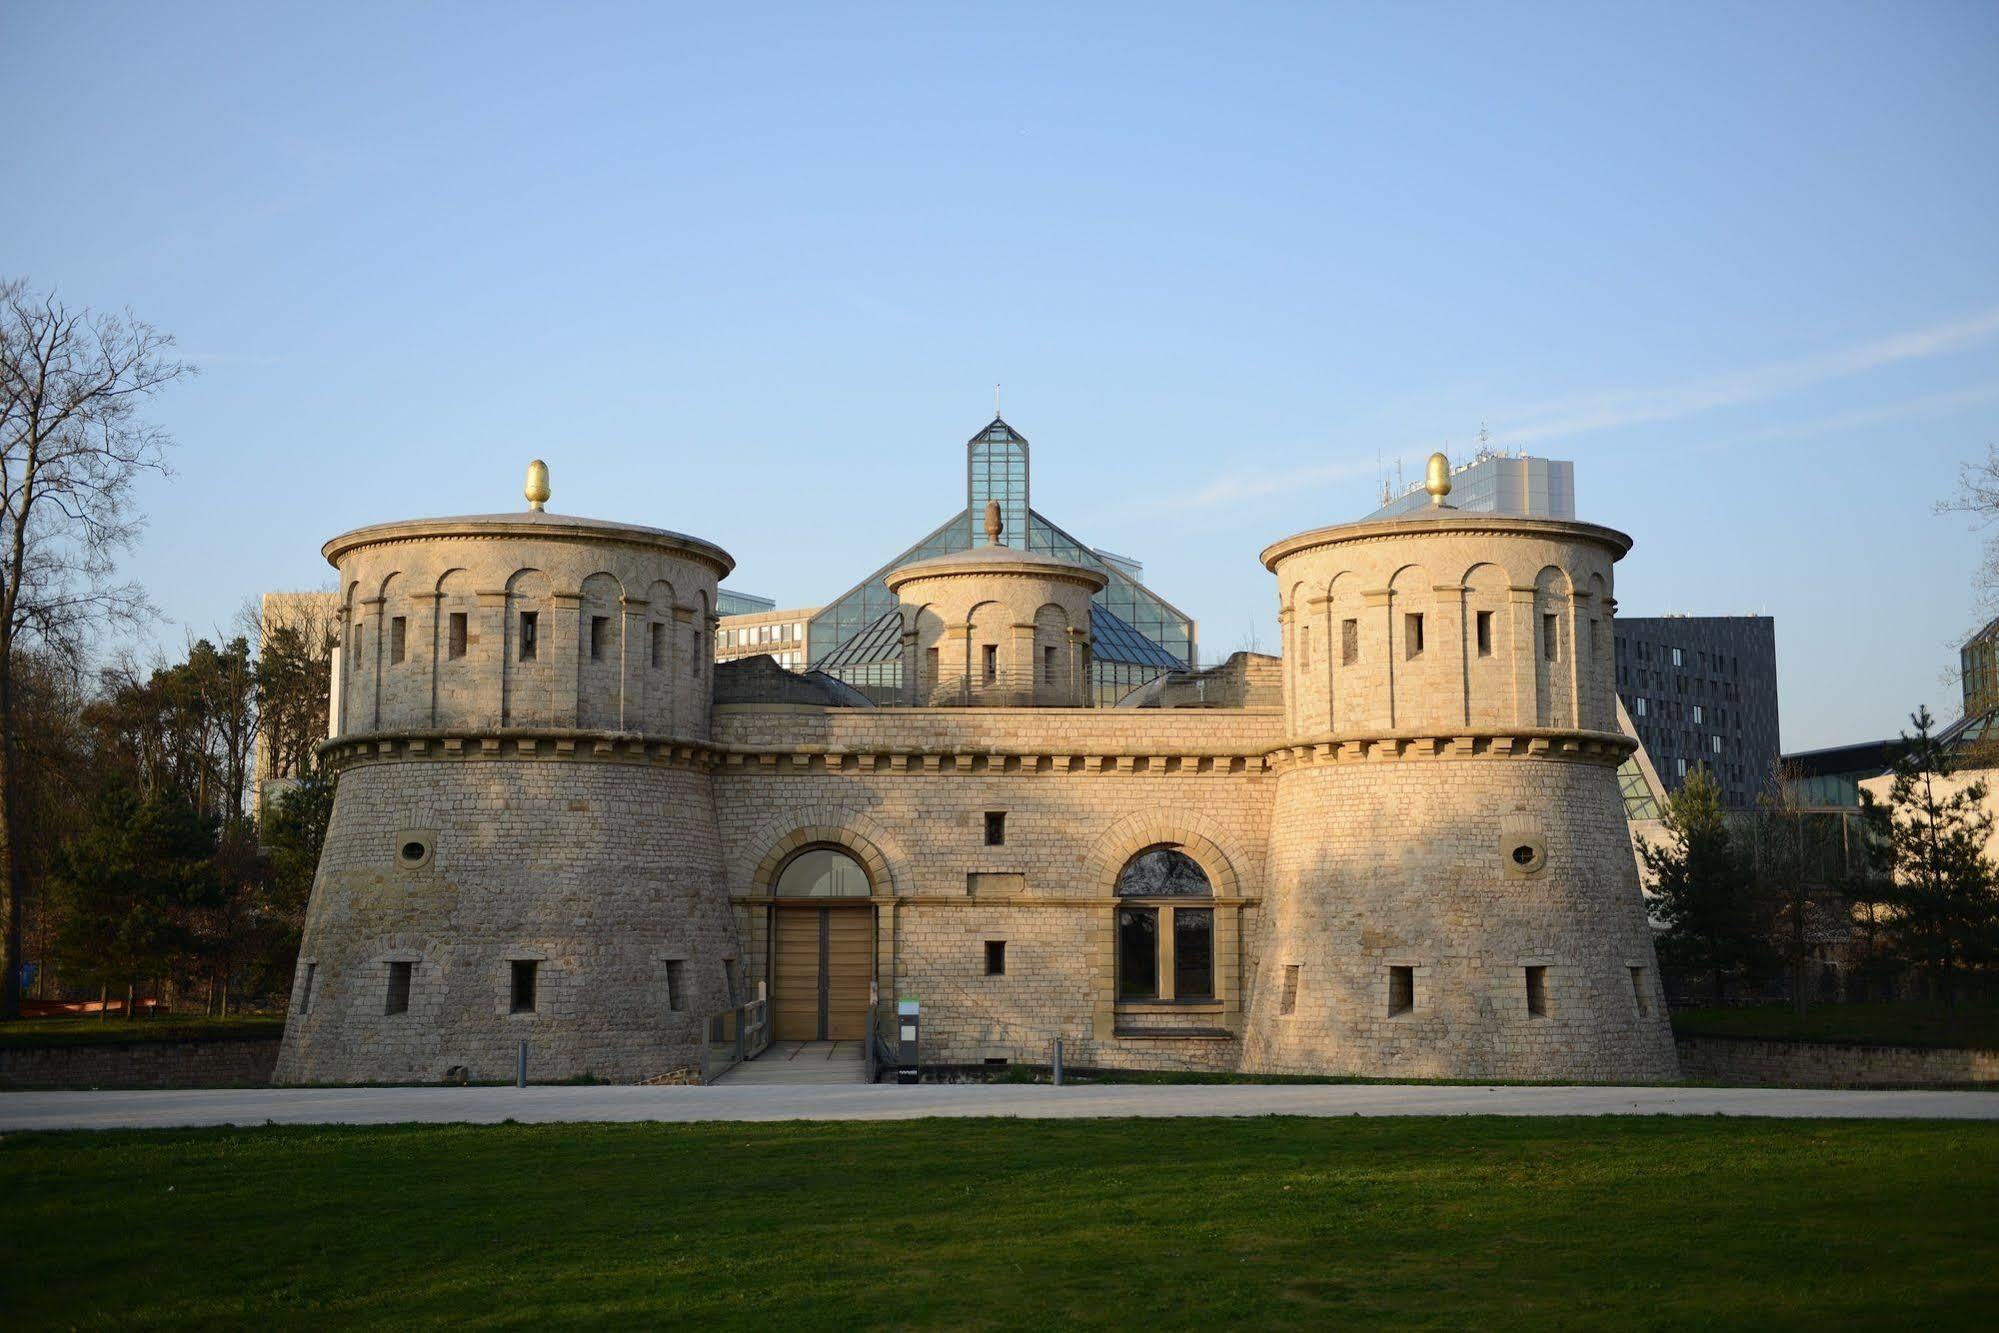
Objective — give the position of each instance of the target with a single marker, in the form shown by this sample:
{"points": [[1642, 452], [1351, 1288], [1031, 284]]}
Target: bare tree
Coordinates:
{"points": [[71, 446]]}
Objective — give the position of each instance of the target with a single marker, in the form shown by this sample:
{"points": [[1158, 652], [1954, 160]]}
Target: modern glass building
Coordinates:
{"points": [[1496, 483], [1137, 635], [1702, 693]]}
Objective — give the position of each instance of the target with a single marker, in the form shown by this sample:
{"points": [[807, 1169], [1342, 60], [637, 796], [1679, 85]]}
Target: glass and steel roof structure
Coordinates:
{"points": [[1139, 635]]}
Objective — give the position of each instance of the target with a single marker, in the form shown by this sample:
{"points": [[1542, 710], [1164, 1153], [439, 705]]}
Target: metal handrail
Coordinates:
{"points": [[743, 1033]]}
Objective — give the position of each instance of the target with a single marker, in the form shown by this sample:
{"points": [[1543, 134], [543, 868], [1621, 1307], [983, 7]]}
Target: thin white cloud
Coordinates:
{"points": [[1634, 407], [1612, 409]]}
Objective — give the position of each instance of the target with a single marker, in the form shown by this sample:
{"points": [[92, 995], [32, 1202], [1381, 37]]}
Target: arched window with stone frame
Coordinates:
{"points": [[1165, 928]]}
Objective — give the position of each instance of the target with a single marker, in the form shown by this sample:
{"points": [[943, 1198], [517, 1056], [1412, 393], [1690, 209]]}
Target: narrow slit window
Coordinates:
{"points": [[1595, 639], [995, 958], [729, 980], [1349, 642], [454, 636], [1305, 646], [1412, 634], [1550, 636], [676, 994], [1537, 991], [399, 639], [600, 636], [1638, 992], [305, 989], [1048, 665], [1485, 634], [399, 989], [989, 656], [524, 985], [931, 667], [360, 637], [530, 623], [995, 828], [1401, 990], [1287, 1003], [656, 646]]}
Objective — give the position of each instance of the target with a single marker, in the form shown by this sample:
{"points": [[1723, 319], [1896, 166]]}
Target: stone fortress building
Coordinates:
{"points": [[1399, 849]]}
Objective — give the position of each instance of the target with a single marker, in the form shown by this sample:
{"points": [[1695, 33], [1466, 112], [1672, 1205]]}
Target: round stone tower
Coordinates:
{"points": [[1452, 890], [993, 627], [523, 843]]}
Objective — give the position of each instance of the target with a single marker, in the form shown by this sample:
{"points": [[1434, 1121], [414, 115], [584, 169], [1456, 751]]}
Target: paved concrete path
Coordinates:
{"points": [[381, 1106]]}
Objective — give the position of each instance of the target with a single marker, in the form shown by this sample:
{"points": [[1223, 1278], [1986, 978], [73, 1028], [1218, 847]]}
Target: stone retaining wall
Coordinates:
{"points": [[1799, 1064], [215, 1062]]}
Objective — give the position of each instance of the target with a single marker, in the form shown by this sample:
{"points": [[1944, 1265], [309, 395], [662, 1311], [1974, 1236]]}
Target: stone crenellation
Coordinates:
{"points": [[1398, 850]]}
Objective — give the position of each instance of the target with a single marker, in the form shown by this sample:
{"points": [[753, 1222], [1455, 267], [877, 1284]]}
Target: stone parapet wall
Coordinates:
{"points": [[1823, 1064], [1243, 734], [218, 1062]]}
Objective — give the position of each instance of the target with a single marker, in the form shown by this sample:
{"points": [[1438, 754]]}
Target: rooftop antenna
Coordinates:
{"points": [[996, 410]]}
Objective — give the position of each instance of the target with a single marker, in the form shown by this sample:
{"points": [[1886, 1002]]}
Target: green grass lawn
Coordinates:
{"points": [[1969, 1024], [1004, 1223], [81, 1029]]}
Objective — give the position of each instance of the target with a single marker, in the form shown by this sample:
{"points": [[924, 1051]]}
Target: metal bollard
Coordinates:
{"points": [[521, 1075], [1058, 1062]]}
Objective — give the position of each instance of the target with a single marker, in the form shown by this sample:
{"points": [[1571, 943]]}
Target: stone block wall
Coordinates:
{"points": [[907, 792], [601, 871], [220, 1062], [1828, 1064]]}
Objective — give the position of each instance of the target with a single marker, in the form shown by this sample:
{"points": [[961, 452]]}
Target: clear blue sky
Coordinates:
{"points": [[753, 273]]}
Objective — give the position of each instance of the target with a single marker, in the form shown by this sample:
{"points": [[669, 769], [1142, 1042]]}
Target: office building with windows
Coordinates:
{"points": [[1497, 483], [1701, 692]]}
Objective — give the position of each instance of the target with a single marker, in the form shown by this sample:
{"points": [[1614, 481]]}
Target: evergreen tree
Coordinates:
{"points": [[1717, 923], [1946, 902]]}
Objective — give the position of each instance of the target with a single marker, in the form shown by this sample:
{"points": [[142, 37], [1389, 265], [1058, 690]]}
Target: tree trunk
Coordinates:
{"points": [[11, 822]]}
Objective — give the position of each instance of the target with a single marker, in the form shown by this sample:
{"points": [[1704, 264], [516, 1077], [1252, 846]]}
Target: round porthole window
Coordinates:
{"points": [[412, 850], [1523, 855]]}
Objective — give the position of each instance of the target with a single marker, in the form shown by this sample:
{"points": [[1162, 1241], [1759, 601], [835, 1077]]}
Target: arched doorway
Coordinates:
{"points": [[823, 950]]}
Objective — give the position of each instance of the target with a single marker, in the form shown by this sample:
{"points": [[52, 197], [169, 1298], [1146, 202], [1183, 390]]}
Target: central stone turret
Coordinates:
{"points": [[996, 628]]}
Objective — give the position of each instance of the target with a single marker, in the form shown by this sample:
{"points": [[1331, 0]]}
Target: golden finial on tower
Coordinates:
{"points": [[993, 523], [537, 488], [1438, 480]]}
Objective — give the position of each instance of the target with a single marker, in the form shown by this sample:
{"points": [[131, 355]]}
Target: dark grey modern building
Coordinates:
{"points": [[1702, 692]]}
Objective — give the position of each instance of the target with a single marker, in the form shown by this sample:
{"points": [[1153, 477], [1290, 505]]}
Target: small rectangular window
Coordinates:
{"points": [[1537, 991], [1401, 990], [1484, 624], [676, 995], [1677, 659], [989, 655], [995, 958], [1697, 712], [656, 644], [454, 636], [399, 989], [1349, 642], [524, 984], [305, 990], [399, 635], [1412, 634], [1305, 646], [600, 636], [930, 666], [1550, 636], [1595, 639], [530, 622], [995, 828], [1048, 665], [1288, 1001], [1639, 993], [360, 636]]}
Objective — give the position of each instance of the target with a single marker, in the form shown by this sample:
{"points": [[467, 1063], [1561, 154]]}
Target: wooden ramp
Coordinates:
{"points": [[802, 1062]]}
